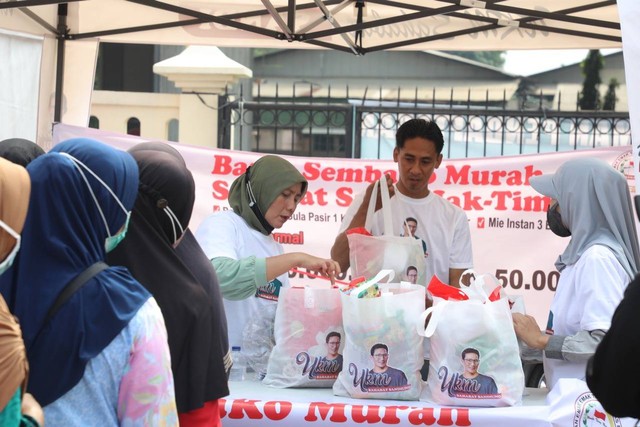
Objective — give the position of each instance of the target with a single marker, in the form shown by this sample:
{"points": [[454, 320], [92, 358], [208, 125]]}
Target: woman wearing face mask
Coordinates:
{"points": [[20, 151], [93, 361], [17, 408], [250, 264], [592, 206], [159, 221]]}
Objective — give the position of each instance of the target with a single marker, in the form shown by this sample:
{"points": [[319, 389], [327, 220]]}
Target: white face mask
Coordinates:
{"points": [[111, 241], [174, 220], [8, 261]]}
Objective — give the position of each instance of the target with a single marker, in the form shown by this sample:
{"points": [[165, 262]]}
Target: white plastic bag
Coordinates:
{"points": [[308, 325], [370, 254], [383, 352], [258, 340], [474, 352]]}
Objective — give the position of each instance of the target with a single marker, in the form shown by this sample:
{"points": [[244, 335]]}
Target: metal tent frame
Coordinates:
{"points": [[355, 26]]}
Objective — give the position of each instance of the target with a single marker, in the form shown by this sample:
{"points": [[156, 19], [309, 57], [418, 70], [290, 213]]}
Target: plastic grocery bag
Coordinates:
{"points": [[309, 338], [258, 340], [383, 352], [370, 254], [475, 359]]}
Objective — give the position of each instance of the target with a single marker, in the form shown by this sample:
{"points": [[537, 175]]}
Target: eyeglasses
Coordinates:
{"points": [[381, 356], [474, 361]]}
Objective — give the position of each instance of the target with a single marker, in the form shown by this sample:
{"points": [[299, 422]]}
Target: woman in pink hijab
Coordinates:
{"points": [[16, 407]]}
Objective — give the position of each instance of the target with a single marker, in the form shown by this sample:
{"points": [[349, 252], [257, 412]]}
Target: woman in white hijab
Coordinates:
{"points": [[591, 204]]}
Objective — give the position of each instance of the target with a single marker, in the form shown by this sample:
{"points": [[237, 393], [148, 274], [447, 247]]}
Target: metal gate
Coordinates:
{"points": [[365, 128]]}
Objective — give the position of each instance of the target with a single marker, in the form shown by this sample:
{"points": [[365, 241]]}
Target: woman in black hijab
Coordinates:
{"points": [[192, 315], [20, 151]]}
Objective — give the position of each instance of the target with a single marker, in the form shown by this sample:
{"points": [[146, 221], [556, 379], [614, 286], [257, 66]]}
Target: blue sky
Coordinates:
{"points": [[527, 62]]}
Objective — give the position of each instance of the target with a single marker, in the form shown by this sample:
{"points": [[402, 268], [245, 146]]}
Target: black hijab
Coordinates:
{"points": [[192, 255], [161, 214], [20, 151]]}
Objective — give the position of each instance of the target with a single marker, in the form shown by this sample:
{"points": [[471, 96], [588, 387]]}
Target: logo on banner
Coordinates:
{"points": [[624, 164], [589, 413]]}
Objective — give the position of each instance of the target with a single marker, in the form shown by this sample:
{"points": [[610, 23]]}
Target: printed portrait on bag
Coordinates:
{"points": [[380, 377], [469, 384]]}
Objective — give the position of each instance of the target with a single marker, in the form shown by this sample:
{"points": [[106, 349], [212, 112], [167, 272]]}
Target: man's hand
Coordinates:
{"points": [[340, 248], [367, 194]]}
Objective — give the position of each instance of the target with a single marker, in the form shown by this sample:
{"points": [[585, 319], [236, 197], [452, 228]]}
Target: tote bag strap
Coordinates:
{"points": [[70, 288], [376, 279], [73, 286], [386, 207], [435, 312], [476, 289]]}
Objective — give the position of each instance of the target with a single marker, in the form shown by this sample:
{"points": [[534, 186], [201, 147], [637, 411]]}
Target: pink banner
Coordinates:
{"points": [[506, 216], [253, 404]]}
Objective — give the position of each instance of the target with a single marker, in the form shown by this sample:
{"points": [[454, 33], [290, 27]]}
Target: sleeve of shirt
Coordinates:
{"points": [[217, 235], [239, 279], [574, 348], [146, 394], [461, 250], [600, 287]]}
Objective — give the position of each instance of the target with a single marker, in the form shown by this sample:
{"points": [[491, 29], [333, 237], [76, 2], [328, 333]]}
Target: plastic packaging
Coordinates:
{"points": [[258, 340]]}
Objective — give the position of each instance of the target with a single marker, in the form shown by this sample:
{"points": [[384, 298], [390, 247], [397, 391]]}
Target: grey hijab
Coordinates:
{"points": [[595, 205], [268, 177]]}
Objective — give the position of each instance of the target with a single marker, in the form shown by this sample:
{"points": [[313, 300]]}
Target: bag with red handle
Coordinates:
{"points": [[475, 359]]}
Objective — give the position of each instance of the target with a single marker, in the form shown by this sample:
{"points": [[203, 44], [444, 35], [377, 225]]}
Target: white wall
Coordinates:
{"points": [[154, 110]]}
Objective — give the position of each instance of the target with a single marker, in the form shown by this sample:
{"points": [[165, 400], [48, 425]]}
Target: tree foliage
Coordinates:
{"points": [[591, 66], [493, 57], [526, 88], [610, 97]]}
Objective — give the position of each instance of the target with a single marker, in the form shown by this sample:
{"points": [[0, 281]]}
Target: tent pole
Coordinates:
{"points": [[291, 16], [61, 36]]}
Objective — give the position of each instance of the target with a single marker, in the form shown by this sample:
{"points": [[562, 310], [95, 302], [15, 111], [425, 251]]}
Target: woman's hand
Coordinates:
{"points": [[324, 267], [527, 330], [32, 408], [281, 264]]}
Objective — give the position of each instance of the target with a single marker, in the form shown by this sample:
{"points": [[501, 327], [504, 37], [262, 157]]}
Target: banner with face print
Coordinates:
{"points": [[507, 217]]}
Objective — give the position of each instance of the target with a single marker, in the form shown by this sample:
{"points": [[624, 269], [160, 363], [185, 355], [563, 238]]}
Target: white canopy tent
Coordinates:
{"points": [[70, 32], [359, 26]]}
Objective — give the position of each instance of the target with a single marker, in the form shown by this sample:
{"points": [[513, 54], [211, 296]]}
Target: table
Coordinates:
{"points": [[253, 404]]}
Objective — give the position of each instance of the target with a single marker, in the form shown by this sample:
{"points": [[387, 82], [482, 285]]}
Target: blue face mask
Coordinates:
{"points": [[110, 242], [8, 261]]}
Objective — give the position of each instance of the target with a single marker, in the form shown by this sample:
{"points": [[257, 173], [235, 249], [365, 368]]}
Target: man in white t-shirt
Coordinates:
{"points": [[443, 227]]}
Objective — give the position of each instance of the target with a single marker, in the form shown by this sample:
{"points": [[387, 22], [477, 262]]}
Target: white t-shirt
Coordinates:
{"points": [[226, 234], [442, 226], [587, 295]]}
